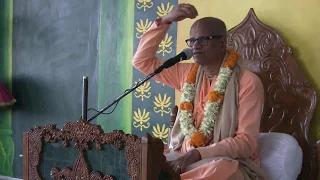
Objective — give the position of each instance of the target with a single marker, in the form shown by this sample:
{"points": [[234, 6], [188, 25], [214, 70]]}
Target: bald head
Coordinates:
{"points": [[212, 25], [206, 40]]}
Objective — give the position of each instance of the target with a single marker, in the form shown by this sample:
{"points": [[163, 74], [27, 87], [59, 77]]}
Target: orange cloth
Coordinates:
{"points": [[251, 99], [220, 170]]}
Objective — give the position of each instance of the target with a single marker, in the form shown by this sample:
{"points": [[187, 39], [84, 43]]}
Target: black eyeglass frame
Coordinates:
{"points": [[188, 41]]}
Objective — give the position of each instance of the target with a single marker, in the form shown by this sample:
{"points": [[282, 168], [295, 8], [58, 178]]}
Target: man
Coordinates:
{"points": [[217, 127]]}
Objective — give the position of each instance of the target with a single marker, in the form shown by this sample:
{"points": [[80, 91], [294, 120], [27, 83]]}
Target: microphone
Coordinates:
{"points": [[184, 55]]}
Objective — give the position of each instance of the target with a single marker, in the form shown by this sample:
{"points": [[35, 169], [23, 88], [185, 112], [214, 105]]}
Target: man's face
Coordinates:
{"points": [[204, 43]]}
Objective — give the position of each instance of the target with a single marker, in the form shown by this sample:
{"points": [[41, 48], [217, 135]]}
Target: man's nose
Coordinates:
{"points": [[196, 45]]}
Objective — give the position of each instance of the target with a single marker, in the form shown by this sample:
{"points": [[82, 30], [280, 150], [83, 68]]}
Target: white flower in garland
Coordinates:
{"points": [[210, 112], [223, 79], [188, 92]]}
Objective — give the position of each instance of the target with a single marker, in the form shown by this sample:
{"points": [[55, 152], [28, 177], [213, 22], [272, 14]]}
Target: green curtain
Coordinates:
{"points": [[115, 68], [6, 142]]}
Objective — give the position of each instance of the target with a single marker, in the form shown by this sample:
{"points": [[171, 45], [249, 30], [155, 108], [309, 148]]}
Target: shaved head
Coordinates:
{"points": [[213, 25]]}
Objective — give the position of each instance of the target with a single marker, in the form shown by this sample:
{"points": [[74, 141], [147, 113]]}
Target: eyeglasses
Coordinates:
{"points": [[203, 41]]}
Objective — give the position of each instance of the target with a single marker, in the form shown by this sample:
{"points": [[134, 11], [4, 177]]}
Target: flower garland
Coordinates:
{"points": [[199, 137]]}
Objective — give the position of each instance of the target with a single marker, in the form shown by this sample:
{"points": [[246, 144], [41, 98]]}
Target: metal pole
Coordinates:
{"points": [[84, 97]]}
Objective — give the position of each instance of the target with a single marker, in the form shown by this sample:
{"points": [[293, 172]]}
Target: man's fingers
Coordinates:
{"points": [[190, 9], [182, 14], [182, 11], [188, 12]]}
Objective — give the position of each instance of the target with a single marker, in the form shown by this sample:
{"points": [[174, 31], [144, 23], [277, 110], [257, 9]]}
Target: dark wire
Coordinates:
{"points": [[106, 112], [113, 108]]}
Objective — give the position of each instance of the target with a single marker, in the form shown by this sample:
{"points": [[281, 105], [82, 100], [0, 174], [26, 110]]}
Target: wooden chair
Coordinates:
{"points": [[290, 99]]}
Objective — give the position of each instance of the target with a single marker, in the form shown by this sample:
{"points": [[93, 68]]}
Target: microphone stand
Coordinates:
{"points": [[158, 70]]}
